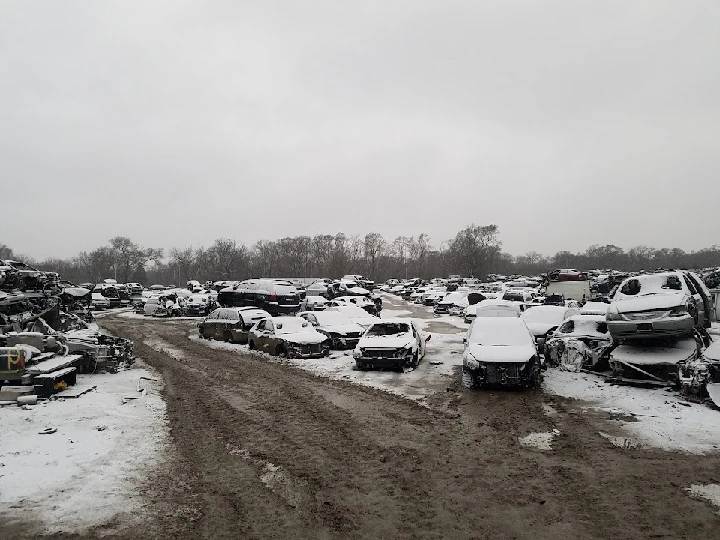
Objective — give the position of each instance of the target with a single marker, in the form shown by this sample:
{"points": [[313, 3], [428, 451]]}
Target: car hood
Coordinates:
{"points": [[539, 328], [510, 353], [303, 338], [652, 301], [385, 342], [342, 328]]}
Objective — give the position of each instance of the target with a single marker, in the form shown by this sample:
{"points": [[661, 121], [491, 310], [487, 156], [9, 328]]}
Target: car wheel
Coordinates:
{"points": [[468, 380], [281, 352], [227, 336], [251, 345]]}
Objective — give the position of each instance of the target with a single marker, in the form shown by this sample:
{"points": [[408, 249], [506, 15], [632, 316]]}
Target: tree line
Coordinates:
{"points": [[476, 251]]}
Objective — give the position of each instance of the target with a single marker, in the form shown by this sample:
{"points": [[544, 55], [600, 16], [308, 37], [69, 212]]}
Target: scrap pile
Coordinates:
{"points": [[46, 338]]}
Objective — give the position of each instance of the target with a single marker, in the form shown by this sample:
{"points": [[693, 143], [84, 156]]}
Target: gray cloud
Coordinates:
{"points": [[566, 123]]}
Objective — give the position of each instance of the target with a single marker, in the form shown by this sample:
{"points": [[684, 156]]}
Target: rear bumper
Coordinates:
{"points": [[675, 326], [282, 309]]}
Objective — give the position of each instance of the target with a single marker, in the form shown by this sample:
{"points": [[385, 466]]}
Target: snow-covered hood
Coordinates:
{"points": [[303, 338], [651, 301], [539, 328], [358, 291], [385, 342], [342, 328], [509, 353]]}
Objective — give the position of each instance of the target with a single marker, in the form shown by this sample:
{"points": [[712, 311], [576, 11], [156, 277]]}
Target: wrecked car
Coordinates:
{"points": [[582, 341], [199, 305], [544, 320], [454, 301], [657, 305], [231, 324], [342, 332], [291, 337], [500, 351], [393, 344]]}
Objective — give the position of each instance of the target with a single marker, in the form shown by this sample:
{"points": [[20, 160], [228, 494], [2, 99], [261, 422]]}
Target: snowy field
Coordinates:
{"points": [[87, 471]]}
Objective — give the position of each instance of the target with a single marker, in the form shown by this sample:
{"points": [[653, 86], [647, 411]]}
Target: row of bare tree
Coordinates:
{"points": [[474, 251]]}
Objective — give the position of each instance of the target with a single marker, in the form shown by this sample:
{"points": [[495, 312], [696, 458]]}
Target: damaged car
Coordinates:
{"points": [[544, 320], [658, 305], [393, 344], [582, 341], [500, 351], [290, 337], [231, 324], [342, 332]]}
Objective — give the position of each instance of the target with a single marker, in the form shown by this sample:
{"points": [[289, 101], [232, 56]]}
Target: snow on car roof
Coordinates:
{"points": [[554, 314], [330, 317], [647, 284]]}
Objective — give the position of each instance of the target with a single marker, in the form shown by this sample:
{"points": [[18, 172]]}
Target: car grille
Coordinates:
{"points": [[502, 373], [381, 353], [308, 349], [646, 315], [353, 335]]}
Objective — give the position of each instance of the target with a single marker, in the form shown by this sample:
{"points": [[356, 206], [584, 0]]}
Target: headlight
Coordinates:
{"points": [[679, 311], [612, 314], [357, 353], [470, 362], [406, 351]]}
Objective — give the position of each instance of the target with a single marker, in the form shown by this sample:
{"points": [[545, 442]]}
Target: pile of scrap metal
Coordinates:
{"points": [[45, 336]]}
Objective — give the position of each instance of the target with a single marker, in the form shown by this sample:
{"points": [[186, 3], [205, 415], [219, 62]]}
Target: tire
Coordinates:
{"points": [[281, 352], [468, 381], [251, 345], [227, 336]]}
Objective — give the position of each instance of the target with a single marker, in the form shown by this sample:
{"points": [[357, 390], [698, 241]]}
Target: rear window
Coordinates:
{"points": [[285, 290]]}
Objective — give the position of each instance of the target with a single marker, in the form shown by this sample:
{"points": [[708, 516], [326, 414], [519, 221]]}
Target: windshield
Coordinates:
{"points": [[499, 335], [388, 329]]}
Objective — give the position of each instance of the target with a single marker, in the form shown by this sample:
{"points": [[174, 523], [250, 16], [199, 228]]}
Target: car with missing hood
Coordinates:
{"points": [[392, 343], [500, 351], [582, 341], [342, 332], [231, 324], [544, 320], [291, 337], [199, 305], [98, 301], [363, 302], [657, 305]]}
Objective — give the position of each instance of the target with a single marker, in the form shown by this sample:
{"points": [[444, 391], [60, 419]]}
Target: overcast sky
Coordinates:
{"points": [[174, 123]]}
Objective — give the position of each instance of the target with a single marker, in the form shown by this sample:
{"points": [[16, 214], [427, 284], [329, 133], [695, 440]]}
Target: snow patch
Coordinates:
{"points": [[662, 419], [541, 441], [84, 473], [709, 492]]}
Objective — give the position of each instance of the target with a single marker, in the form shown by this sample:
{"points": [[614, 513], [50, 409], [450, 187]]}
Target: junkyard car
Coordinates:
{"points": [[274, 296], [342, 332], [293, 337], [199, 305], [580, 341], [656, 305], [98, 301], [500, 351], [494, 304], [543, 320], [313, 303], [355, 314], [394, 344], [360, 301], [165, 305], [456, 300], [231, 324]]}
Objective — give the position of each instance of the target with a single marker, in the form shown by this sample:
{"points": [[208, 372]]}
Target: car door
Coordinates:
{"points": [[696, 300], [269, 339], [706, 298], [207, 325], [419, 339]]}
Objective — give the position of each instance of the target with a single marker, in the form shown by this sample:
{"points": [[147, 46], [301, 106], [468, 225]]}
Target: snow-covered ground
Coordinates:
{"points": [[86, 472], [662, 419]]}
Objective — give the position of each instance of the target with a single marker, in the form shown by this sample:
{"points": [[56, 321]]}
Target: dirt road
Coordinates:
{"points": [[265, 450]]}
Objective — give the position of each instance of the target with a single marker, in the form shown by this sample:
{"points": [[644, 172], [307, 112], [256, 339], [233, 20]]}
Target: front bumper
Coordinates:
{"points": [[668, 326], [504, 373], [308, 351], [384, 360]]}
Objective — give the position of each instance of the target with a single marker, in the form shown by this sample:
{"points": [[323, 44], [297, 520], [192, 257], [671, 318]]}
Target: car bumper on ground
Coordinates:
{"points": [[669, 326]]}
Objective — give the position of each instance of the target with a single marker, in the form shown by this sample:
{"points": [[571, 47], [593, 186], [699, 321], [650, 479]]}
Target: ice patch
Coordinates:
{"points": [[541, 441]]}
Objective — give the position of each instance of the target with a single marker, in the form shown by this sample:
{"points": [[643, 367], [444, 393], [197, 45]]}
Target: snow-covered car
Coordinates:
{"points": [[457, 300], [98, 301], [519, 295], [470, 312], [543, 320], [656, 305], [434, 296], [165, 305], [292, 337], [318, 288], [360, 301], [346, 288], [364, 282], [500, 351], [356, 314], [199, 305], [580, 341], [342, 332], [393, 344], [231, 324], [313, 303], [594, 308]]}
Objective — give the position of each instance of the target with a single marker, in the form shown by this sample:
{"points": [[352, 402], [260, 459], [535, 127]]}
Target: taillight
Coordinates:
{"points": [[273, 297]]}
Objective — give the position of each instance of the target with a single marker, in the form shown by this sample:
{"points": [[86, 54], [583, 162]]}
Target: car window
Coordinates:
{"points": [[269, 326], [213, 315], [261, 325], [567, 327]]}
